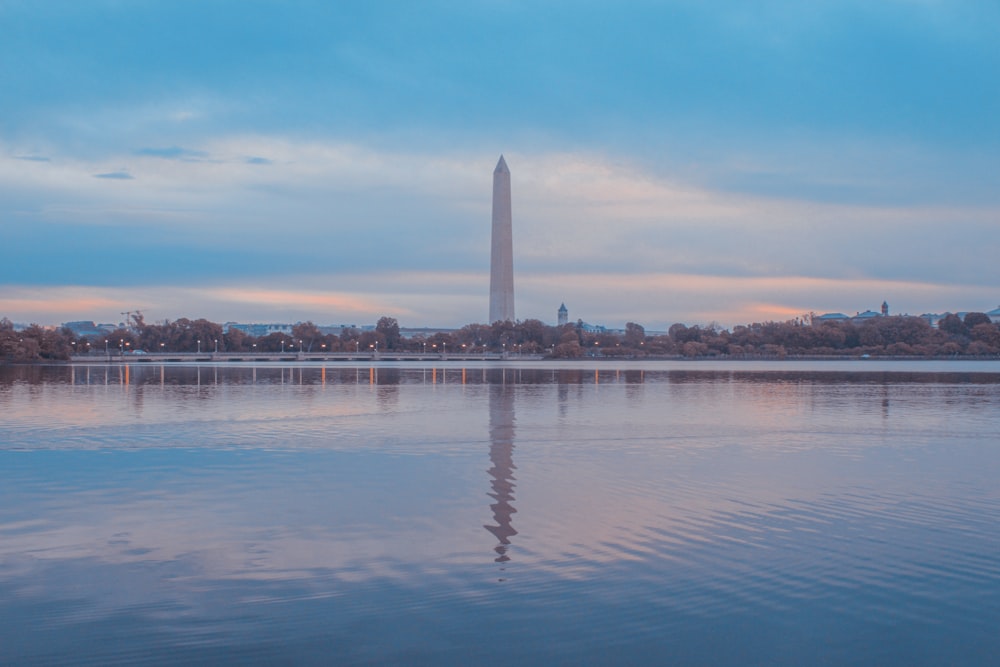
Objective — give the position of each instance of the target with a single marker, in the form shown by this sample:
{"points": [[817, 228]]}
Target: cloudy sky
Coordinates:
{"points": [[673, 161]]}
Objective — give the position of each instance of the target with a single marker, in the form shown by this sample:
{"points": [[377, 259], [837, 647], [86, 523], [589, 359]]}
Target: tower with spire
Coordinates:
{"points": [[563, 315], [502, 252]]}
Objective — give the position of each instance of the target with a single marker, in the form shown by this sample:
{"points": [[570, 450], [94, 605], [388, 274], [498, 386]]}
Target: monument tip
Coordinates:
{"points": [[501, 166]]}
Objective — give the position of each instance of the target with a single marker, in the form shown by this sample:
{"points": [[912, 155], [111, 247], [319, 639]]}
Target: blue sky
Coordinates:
{"points": [[671, 161]]}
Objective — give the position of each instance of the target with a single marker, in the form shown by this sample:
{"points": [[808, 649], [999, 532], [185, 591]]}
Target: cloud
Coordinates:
{"points": [[33, 158], [336, 231], [116, 175], [173, 153], [429, 298], [258, 160]]}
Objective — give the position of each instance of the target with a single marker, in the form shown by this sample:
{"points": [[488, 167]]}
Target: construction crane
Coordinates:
{"points": [[135, 316]]}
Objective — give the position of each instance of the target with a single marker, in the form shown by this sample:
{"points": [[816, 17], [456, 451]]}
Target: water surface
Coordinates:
{"points": [[627, 513]]}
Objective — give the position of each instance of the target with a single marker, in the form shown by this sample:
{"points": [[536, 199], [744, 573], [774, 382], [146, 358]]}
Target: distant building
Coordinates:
{"points": [[423, 332], [591, 328], [563, 315], [258, 330], [932, 318], [337, 329], [865, 316], [87, 328], [858, 318]]}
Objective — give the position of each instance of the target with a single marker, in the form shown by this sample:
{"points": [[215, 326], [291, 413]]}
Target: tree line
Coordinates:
{"points": [[890, 336]]}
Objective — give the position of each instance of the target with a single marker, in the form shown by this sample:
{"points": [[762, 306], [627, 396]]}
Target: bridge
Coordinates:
{"points": [[116, 357]]}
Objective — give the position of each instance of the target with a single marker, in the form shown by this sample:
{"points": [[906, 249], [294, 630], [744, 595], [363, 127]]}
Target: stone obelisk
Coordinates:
{"points": [[502, 255]]}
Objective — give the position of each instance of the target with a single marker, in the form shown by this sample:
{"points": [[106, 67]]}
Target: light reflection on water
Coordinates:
{"points": [[689, 514]]}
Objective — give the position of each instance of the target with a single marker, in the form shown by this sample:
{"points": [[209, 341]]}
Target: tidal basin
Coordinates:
{"points": [[681, 513]]}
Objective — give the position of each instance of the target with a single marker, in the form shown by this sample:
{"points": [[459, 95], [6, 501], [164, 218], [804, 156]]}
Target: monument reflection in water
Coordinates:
{"points": [[502, 471], [698, 514]]}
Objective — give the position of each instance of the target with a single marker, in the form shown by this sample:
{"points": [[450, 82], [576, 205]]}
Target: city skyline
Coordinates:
{"points": [[675, 162]]}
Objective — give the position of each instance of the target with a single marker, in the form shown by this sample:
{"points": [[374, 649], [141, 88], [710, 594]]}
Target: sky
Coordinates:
{"points": [[673, 161]]}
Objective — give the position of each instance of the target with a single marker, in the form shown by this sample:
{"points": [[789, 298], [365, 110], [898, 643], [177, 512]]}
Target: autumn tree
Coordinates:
{"points": [[307, 335], [388, 327], [972, 319], [635, 335]]}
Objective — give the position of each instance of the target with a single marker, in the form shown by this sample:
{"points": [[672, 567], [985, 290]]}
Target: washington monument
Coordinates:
{"points": [[502, 255]]}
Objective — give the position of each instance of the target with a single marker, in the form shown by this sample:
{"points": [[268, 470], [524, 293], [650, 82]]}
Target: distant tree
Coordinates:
{"points": [[389, 328], [972, 319], [986, 333], [531, 332], [274, 342], [442, 342], [309, 335], [236, 340], [979, 348], [122, 340], [371, 340], [660, 345], [635, 335], [953, 324], [694, 349], [569, 346], [502, 335]]}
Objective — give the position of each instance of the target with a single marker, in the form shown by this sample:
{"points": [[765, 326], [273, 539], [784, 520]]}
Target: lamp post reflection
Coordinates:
{"points": [[502, 471]]}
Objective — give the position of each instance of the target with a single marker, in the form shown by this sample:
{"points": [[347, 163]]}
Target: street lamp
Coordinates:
{"points": [[216, 345], [121, 344], [199, 346], [282, 345]]}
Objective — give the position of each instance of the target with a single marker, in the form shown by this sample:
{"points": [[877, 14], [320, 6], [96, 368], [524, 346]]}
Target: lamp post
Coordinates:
{"points": [[282, 345], [121, 344], [199, 346], [216, 345]]}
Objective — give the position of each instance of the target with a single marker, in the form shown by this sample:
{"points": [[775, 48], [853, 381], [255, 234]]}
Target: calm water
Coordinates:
{"points": [[685, 514]]}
